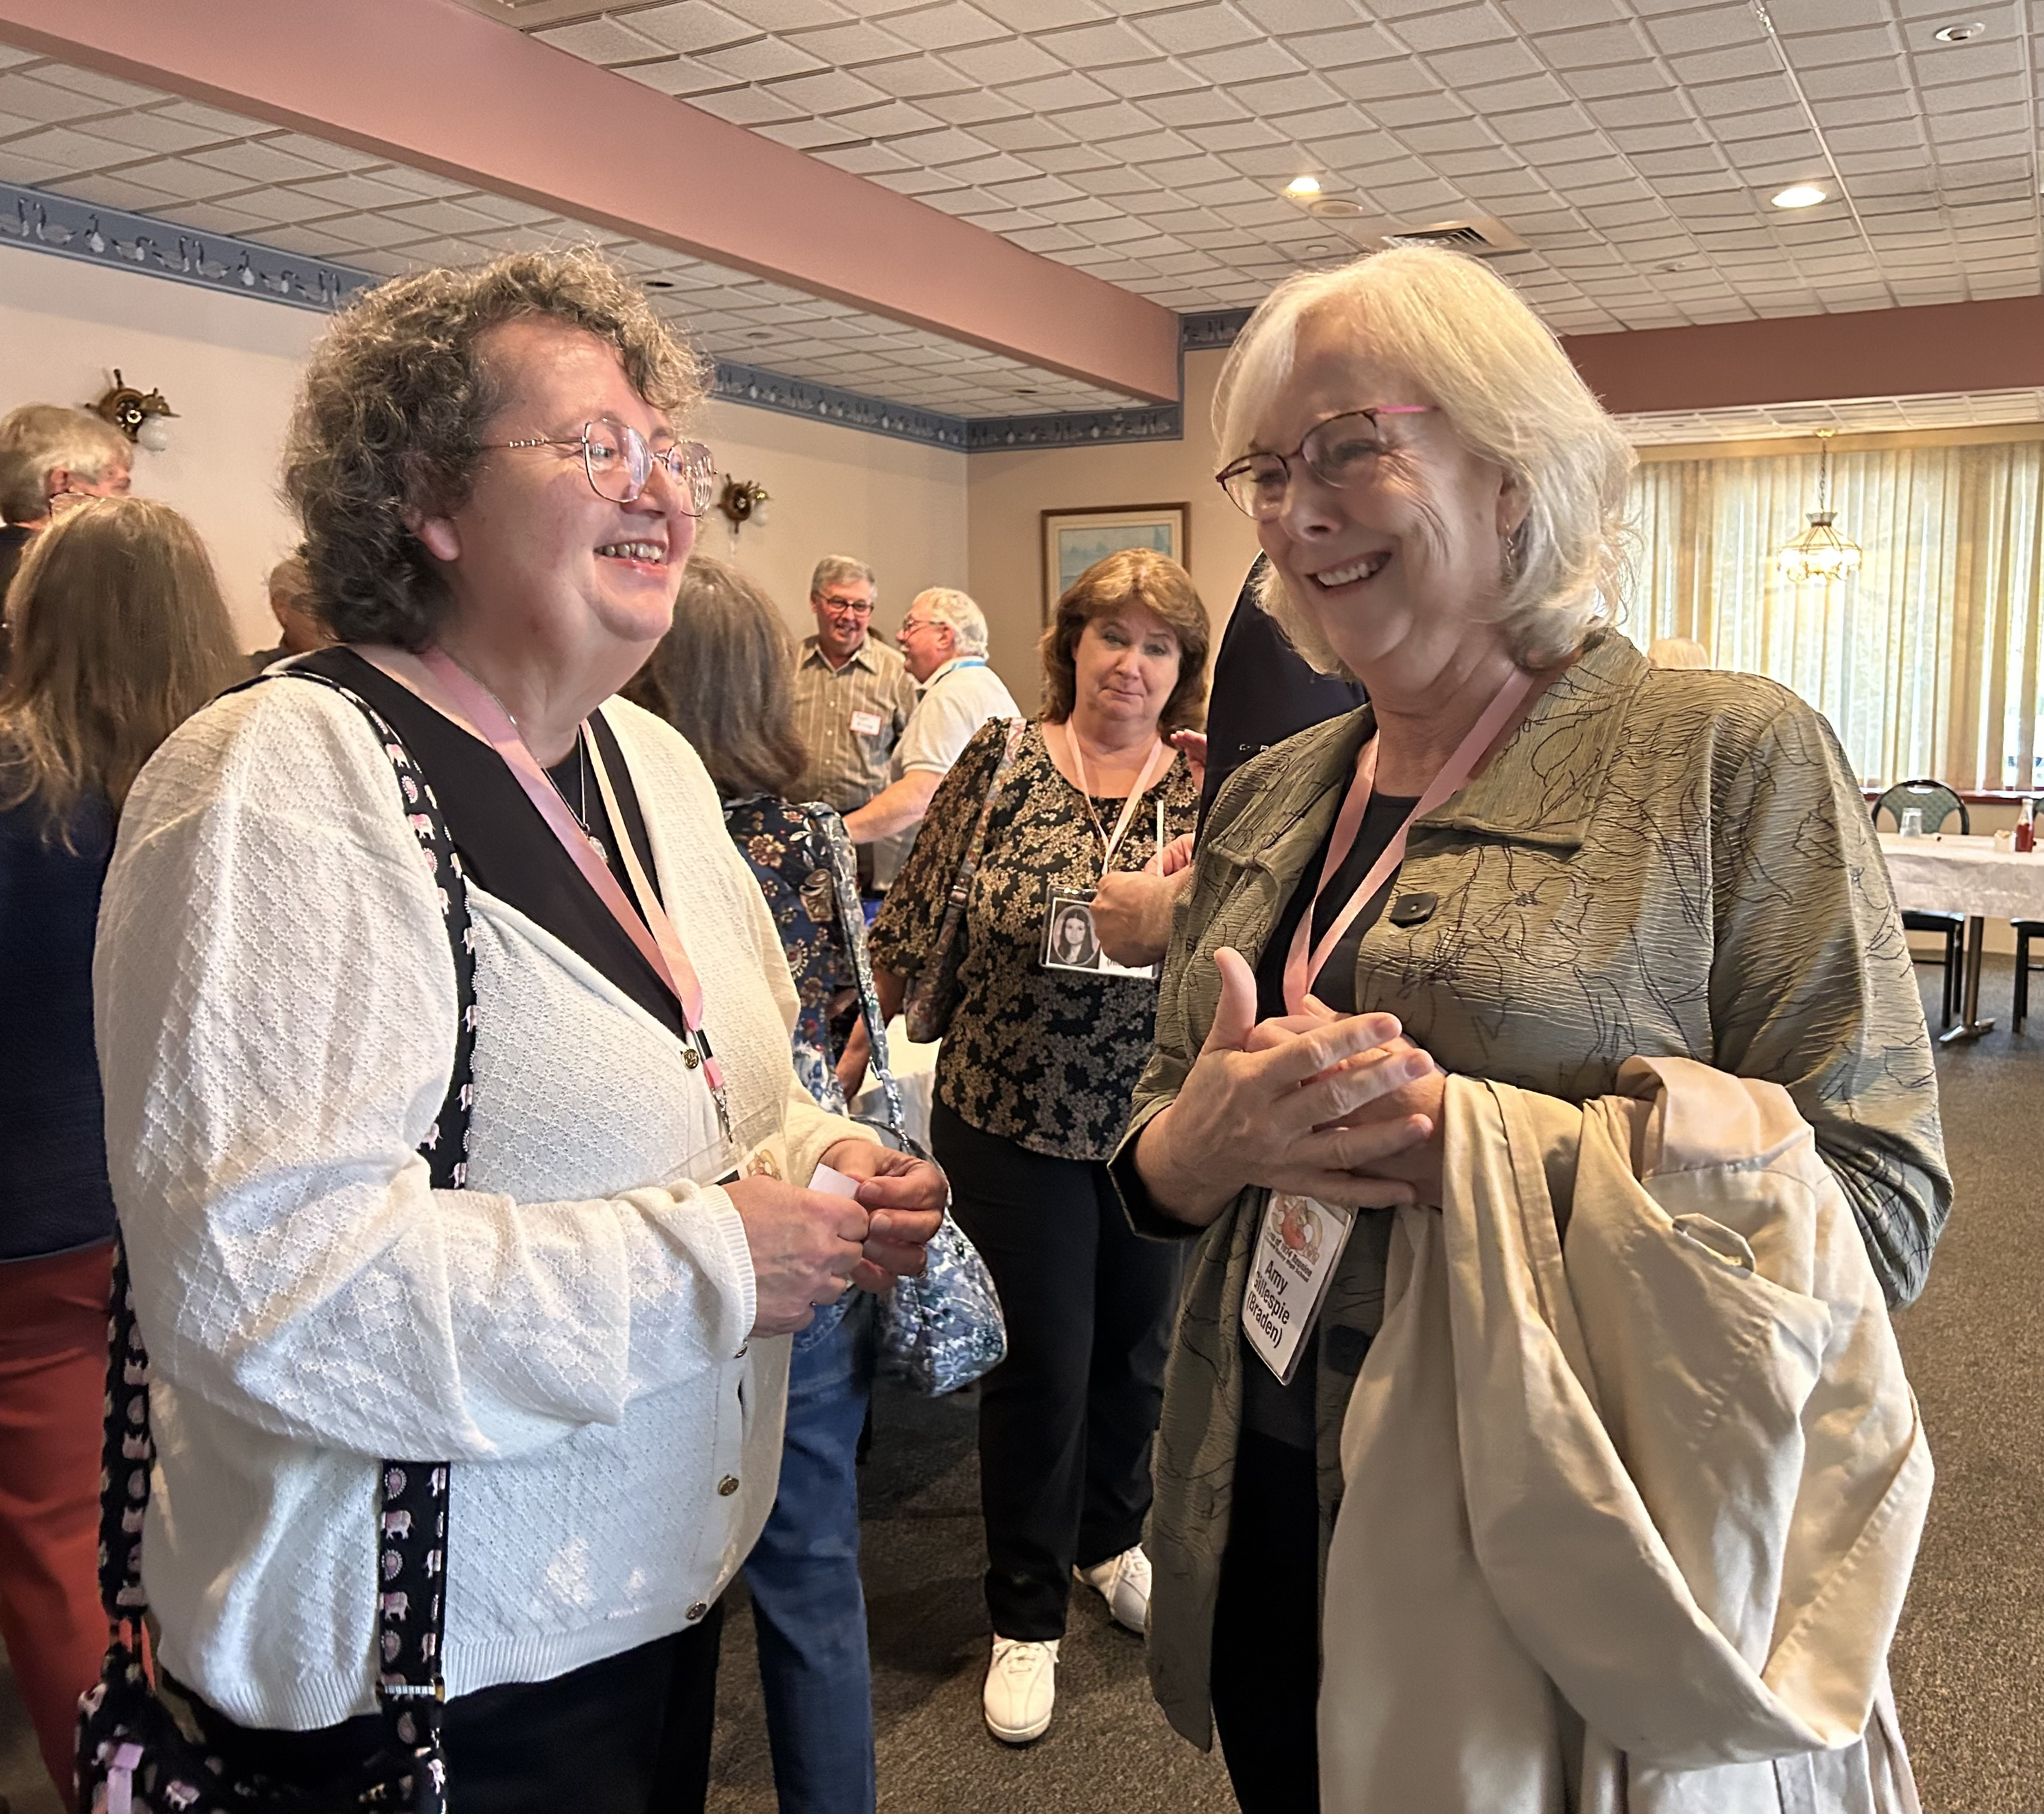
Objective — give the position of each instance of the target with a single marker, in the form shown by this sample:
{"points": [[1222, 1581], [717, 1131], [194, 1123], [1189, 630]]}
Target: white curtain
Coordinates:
{"points": [[1925, 661]]}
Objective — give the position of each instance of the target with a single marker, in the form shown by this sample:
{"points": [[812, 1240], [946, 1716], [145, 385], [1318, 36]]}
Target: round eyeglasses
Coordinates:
{"points": [[1340, 452], [620, 463]]}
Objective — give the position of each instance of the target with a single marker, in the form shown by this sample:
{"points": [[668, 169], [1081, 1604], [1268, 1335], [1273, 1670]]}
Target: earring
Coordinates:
{"points": [[1509, 561]]}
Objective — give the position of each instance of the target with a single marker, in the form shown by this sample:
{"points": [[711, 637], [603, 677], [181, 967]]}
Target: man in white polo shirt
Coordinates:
{"points": [[942, 638]]}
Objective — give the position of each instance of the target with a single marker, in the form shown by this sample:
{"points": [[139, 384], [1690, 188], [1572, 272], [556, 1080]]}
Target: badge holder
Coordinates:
{"points": [[1297, 1248], [1071, 943]]}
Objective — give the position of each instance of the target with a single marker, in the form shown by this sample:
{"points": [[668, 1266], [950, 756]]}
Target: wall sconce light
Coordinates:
{"points": [[138, 416], [743, 500]]}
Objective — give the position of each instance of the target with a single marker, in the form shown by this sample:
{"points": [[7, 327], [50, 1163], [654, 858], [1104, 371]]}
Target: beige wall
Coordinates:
{"points": [[229, 365], [1009, 491], [897, 505]]}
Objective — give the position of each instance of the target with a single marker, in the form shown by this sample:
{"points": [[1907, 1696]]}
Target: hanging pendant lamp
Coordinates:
{"points": [[1820, 553]]}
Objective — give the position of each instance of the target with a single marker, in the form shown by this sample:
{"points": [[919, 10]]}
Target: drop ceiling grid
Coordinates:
{"points": [[1634, 143], [119, 145]]}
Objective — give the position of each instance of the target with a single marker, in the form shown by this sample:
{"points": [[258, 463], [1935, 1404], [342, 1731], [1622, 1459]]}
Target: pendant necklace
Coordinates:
{"points": [[581, 809]]}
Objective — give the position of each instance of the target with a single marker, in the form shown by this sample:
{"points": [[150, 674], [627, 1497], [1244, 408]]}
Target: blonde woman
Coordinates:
{"points": [[119, 634], [1603, 860]]}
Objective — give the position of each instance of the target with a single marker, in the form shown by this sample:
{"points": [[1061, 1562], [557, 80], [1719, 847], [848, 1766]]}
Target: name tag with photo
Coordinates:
{"points": [[867, 724], [1071, 943]]}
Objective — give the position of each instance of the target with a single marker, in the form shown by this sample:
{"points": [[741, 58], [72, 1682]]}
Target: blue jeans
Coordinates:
{"points": [[808, 1610]]}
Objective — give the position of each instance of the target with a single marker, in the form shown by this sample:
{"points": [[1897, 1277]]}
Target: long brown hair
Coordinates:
{"points": [[1154, 583], [723, 678], [119, 634]]}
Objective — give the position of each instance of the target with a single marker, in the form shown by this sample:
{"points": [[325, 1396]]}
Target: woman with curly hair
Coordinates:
{"points": [[582, 1312], [1033, 1084]]}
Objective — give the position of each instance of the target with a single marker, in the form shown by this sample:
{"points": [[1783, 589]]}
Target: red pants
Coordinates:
{"points": [[52, 1380]]}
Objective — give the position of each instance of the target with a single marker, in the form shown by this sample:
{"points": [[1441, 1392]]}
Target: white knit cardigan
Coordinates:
{"points": [[275, 1005]]}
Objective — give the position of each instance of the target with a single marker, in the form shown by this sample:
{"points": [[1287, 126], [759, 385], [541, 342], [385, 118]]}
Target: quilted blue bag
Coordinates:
{"points": [[944, 1329]]}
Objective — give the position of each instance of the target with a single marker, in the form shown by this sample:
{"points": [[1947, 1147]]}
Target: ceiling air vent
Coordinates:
{"points": [[1478, 235]]}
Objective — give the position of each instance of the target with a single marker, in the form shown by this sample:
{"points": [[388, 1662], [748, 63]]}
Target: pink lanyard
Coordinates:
{"points": [[1111, 845], [1300, 971], [471, 705]]}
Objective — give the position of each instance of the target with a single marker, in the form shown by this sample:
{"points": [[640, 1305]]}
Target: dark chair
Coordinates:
{"points": [[1937, 803], [2026, 930]]}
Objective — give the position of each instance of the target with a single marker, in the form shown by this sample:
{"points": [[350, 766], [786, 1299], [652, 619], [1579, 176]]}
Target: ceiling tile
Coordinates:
{"points": [[689, 26], [787, 15], [602, 41], [1209, 26], [760, 59]]}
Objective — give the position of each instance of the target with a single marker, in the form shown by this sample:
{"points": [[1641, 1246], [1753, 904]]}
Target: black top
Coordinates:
{"points": [[54, 1193], [1263, 691], [14, 542], [1286, 1412], [506, 847]]}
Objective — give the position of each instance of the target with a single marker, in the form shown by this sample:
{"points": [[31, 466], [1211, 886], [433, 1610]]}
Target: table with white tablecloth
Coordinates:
{"points": [[1946, 874]]}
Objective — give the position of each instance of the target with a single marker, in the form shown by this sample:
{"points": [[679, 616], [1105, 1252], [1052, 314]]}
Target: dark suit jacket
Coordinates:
{"points": [[1263, 691]]}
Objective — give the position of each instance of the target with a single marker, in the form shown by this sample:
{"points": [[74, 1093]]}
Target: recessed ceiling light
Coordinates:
{"points": [[1959, 34], [1313, 251], [659, 283], [759, 334], [1800, 195], [1303, 186]]}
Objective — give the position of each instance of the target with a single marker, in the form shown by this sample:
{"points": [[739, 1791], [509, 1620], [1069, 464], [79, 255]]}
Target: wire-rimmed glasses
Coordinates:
{"points": [[619, 463], [1340, 452]]}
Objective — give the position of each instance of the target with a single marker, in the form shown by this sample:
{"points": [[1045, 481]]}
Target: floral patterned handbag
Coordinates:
{"points": [[944, 1329], [135, 1754]]}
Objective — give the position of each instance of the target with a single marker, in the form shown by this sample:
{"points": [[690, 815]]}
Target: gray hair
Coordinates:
{"points": [[1463, 336], [23, 498], [48, 436], [832, 568], [947, 605]]}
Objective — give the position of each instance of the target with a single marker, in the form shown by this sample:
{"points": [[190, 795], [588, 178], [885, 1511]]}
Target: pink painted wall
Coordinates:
{"points": [[1803, 359]]}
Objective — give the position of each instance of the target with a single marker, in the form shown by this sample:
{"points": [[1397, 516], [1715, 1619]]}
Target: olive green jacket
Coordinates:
{"points": [[1659, 862]]}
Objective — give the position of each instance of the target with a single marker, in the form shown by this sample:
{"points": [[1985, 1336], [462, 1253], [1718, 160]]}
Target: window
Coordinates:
{"points": [[1925, 661]]}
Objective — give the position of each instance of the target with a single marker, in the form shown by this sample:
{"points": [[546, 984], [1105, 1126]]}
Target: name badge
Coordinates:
{"points": [[867, 723], [1297, 1248], [768, 1159], [1071, 943]]}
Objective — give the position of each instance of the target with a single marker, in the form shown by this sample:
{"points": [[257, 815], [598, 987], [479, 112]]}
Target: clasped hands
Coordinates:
{"points": [[1342, 1108], [810, 1248]]}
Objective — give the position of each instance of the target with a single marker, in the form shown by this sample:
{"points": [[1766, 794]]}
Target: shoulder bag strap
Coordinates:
{"points": [[412, 1495], [824, 821], [975, 846]]}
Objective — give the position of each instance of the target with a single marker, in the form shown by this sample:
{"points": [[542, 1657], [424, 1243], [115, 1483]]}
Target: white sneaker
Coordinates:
{"points": [[1021, 1689], [1124, 1582]]}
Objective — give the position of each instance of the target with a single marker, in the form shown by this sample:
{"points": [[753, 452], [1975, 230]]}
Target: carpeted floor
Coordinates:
{"points": [[1969, 1667]]}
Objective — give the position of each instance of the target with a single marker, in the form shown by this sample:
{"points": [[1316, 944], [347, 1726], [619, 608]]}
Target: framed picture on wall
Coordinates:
{"points": [[1073, 539]]}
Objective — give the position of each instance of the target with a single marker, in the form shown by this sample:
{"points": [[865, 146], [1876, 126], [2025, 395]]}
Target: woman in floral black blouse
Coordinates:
{"points": [[721, 677], [1032, 1093]]}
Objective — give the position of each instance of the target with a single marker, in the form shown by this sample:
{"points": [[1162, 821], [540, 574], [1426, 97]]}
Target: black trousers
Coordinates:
{"points": [[1067, 1421], [628, 1734], [1266, 1671]]}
